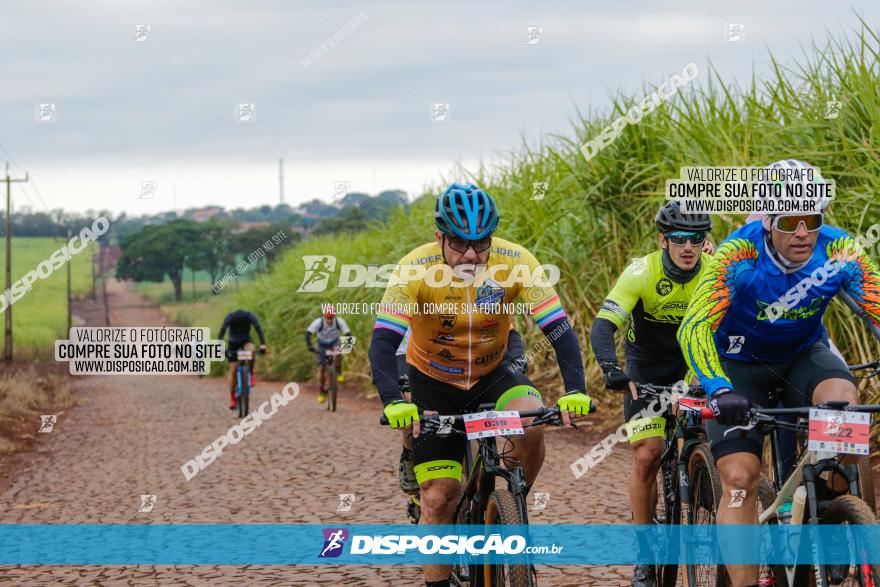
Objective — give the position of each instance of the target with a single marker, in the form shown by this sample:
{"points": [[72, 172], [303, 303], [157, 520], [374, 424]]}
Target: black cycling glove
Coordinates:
{"points": [[730, 409], [615, 378]]}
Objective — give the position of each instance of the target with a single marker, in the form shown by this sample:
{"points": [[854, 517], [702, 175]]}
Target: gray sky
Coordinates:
{"points": [[162, 109]]}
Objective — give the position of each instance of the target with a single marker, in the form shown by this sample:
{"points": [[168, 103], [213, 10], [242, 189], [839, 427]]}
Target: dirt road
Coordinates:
{"points": [[130, 435]]}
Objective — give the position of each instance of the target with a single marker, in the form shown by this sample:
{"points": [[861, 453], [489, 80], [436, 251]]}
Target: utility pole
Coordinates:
{"points": [[281, 181], [69, 263], [7, 349]]}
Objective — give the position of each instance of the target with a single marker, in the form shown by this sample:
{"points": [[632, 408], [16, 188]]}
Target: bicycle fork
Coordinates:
{"points": [[811, 474]]}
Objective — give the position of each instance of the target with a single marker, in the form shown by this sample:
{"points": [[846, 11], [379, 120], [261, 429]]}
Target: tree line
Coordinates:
{"points": [[214, 246]]}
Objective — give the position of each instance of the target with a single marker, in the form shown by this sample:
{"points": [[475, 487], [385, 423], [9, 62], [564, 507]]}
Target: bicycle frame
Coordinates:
{"points": [[482, 472], [687, 434], [806, 473]]}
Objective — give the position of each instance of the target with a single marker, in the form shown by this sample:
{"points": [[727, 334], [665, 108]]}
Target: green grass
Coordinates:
{"points": [[597, 215], [40, 317]]}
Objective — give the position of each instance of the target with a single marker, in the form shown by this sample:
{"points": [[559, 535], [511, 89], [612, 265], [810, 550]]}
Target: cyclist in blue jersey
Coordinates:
{"points": [[755, 323]]}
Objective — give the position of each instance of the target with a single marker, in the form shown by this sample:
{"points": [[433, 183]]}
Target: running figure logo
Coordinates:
{"points": [[334, 539], [539, 190], [318, 269], [541, 500], [47, 423], [736, 344], [147, 503], [834, 425], [346, 344], [346, 500]]}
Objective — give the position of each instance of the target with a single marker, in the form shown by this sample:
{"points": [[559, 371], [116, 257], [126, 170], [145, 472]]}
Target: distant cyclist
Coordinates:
{"points": [[755, 323], [652, 294], [327, 330], [457, 357], [239, 323]]}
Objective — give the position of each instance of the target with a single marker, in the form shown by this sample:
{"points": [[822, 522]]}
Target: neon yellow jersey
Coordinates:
{"points": [[655, 303], [458, 330]]}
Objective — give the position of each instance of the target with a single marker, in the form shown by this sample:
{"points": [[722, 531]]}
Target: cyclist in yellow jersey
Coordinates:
{"points": [[653, 295], [459, 319]]}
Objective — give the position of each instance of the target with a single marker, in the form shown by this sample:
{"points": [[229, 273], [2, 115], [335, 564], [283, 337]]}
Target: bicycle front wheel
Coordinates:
{"points": [[331, 396], [849, 509], [502, 509], [705, 492], [244, 382], [667, 512]]}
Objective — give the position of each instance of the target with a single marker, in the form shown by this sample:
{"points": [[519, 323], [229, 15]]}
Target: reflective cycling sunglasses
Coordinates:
{"points": [[462, 245], [681, 237], [790, 224]]}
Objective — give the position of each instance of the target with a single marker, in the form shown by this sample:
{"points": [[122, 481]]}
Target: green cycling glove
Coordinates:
{"points": [[575, 402], [401, 413]]}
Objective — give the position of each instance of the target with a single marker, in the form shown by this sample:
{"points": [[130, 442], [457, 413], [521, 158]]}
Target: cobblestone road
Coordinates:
{"points": [[130, 435]]}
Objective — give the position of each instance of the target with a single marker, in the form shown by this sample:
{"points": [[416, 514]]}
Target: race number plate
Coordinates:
{"points": [[839, 431], [485, 424], [245, 355], [691, 403]]}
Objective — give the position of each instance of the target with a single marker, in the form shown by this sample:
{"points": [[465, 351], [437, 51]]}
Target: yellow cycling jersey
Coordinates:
{"points": [[459, 326]]}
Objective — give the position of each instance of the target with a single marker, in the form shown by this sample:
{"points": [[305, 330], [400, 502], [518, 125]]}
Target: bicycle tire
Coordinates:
{"points": [[849, 509], [866, 483], [243, 383], [331, 396], [503, 509], [465, 573], [704, 485], [665, 513]]}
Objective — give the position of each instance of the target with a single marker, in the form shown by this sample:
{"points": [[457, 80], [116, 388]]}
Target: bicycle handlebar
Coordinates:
{"points": [[538, 413], [767, 417], [862, 366]]}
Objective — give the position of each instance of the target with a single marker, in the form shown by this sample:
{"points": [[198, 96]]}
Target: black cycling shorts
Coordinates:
{"points": [[233, 346], [796, 378], [441, 456]]}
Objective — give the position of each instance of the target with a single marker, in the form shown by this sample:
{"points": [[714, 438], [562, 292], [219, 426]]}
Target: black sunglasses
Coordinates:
{"points": [[681, 238], [462, 245]]}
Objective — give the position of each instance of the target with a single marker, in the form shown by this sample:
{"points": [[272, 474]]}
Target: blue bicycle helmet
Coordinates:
{"points": [[466, 211]]}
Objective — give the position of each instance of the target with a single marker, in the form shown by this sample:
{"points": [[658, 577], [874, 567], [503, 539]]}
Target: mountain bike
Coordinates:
{"points": [[329, 365], [687, 481], [244, 380], [803, 496], [480, 502], [243, 374]]}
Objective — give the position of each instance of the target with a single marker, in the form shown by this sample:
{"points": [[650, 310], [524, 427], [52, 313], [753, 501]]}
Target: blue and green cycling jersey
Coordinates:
{"points": [[746, 308]]}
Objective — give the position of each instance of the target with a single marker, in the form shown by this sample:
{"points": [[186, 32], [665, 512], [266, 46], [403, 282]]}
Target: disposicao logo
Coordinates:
{"points": [[334, 540]]}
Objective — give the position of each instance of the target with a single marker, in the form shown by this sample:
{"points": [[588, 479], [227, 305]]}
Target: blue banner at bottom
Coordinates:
{"points": [[208, 544]]}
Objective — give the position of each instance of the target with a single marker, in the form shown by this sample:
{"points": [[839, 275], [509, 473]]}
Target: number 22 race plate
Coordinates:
{"points": [[485, 424], [838, 431]]}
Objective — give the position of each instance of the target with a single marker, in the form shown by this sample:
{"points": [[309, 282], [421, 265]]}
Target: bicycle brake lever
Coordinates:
{"points": [[748, 426]]}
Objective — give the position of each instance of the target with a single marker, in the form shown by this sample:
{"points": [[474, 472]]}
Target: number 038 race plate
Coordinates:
{"points": [[485, 424], [839, 431]]}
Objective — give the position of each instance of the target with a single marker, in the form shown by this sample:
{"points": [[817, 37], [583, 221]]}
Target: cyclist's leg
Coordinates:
{"points": [[645, 437], [821, 375], [437, 460], [338, 359], [738, 456], [511, 390]]}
